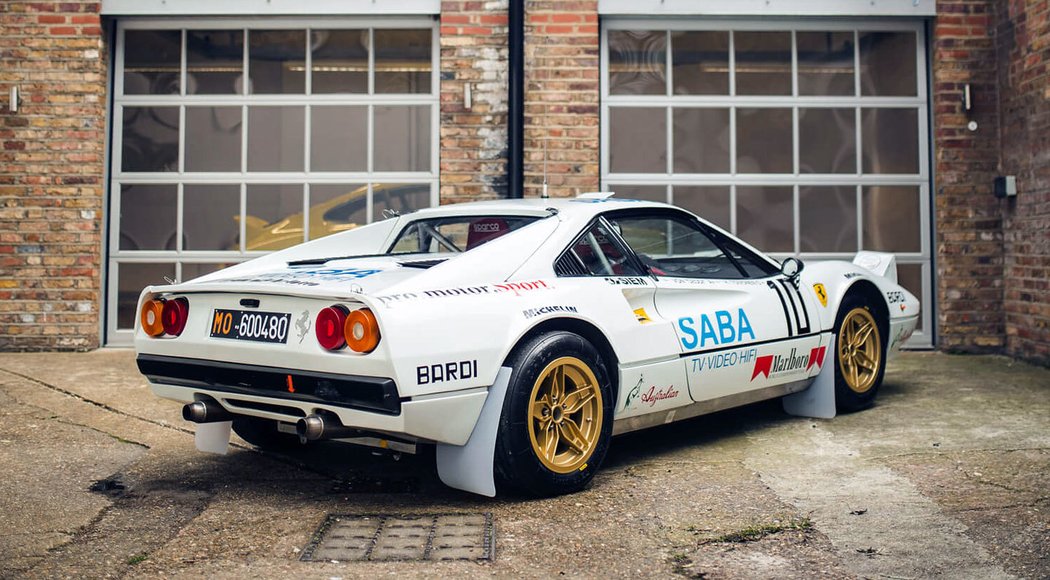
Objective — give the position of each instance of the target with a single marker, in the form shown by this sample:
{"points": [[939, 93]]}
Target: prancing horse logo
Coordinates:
{"points": [[303, 324]]}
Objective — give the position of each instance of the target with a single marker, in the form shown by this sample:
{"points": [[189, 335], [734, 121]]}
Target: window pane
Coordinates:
{"points": [[825, 63], [763, 141], [150, 141], [646, 192], [213, 138], [827, 140], [701, 62], [891, 218], [600, 255], [132, 278], [887, 64], [275, 138], [339, 138], [147, 217], [277, 61], [701, 140], [152, 62], [402, 139], [675, 248], [708, 202], [765, 218], [400, 197], [403, 61], [890, 140], [191, 270], [214, 62], [337, 207], [274, 217], [637, 59], [637, 140], [340, 61], [763, 63], [827, 218], [211, 217]]}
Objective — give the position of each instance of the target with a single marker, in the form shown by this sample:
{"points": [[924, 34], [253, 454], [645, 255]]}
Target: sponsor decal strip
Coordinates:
{"points": [[534, 312], [750, 344], [776, 364]]}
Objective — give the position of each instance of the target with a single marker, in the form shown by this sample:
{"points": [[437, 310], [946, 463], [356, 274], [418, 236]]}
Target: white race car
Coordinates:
{"points": [[518, 336]]}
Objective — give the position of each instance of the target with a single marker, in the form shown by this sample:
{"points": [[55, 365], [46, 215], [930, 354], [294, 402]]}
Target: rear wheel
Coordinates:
{"points": [[860, 355], [557, 418], [263, 433]]}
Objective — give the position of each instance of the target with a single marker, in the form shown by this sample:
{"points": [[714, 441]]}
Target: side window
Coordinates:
{"points": [[676, 247], [753, 265], [596, 253]]}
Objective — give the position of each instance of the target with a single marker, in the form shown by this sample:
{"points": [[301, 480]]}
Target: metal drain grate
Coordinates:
{"points": [[403, 537]]}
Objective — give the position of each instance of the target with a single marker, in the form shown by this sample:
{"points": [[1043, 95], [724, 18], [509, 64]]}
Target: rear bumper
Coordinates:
{"points": [[367, 403]]}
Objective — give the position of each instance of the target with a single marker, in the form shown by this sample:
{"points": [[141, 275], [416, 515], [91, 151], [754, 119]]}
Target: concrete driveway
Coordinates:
{"points": [[948, 476]]}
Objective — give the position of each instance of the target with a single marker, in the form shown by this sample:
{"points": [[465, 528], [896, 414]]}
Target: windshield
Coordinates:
{"points": [[455, 233]]}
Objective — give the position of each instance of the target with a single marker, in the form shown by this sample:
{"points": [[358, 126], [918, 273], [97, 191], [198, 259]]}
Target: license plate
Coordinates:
{"points": [[250, 325]]}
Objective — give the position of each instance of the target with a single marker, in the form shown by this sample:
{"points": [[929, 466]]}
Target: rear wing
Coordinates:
{"points": [[880, 263]]}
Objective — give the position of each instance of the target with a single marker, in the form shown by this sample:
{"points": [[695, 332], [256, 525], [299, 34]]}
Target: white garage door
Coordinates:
{"points": [[233, 138], [804, 138]]}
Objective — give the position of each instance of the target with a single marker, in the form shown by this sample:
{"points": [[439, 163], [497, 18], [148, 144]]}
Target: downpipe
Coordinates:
{"points": [[205, 412], [319, 428]]}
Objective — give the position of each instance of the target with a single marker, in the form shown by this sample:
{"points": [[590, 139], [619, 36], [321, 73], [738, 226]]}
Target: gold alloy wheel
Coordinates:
{"points": [[565, 415], [860, 350]]}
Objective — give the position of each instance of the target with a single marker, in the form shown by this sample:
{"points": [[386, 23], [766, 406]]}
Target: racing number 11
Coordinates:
{"points": [[222, 322]]}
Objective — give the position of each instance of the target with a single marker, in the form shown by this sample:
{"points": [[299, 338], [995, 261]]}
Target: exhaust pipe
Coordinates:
{"points": [[317, 428], [205, 412]]}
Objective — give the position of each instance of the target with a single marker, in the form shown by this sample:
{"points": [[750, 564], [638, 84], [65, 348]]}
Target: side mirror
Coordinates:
{"points": [[791, 267]]}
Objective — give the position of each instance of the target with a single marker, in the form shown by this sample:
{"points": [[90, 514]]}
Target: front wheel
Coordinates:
{"points": [[860, 355], [557, 417]]}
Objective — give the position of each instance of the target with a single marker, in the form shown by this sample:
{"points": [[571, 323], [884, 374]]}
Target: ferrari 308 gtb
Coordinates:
{"points": [[517, 336]]}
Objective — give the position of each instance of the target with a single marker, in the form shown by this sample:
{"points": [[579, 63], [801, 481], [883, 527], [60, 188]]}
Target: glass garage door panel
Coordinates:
{"points": [[234, 141], [803, 138]]}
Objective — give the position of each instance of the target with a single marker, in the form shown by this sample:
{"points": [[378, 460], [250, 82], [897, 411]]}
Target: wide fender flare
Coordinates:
{"points": [[837, 279]]}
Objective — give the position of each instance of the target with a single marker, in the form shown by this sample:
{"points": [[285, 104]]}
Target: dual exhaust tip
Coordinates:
{"points": [[309, 428]]}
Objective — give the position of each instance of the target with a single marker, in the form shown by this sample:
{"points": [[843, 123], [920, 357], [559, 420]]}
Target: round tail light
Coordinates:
{"points": [[151, 317], [329, 327], [361, 330], [174, 315]]}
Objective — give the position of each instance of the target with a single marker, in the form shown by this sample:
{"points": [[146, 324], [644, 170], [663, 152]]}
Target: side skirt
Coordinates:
{"points": [[629, 424]]}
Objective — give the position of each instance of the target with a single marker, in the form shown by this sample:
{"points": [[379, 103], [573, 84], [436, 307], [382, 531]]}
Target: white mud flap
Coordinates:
{"points": [[818, 401], [213, 437], [469, 467]]}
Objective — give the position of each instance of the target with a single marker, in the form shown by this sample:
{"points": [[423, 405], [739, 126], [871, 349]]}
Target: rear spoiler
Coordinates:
{"points": [[880, 263]]}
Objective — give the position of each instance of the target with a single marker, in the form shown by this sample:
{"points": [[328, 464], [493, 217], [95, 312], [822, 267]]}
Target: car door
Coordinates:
{"points": [[741, 324], [610, 279]]}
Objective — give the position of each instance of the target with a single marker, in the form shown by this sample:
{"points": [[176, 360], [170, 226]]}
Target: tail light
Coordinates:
{"points": [[160, 317], [361, 330], [174, 316], [151, 317], [329, 327]]}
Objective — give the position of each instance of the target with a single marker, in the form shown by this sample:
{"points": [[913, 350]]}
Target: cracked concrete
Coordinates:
{"points": [[948, 476]]}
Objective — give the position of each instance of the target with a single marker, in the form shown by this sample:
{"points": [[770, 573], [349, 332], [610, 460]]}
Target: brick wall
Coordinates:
{"points": [[1024, 80], [51, 168], [473, 142], [561, 96], [968, 245]]}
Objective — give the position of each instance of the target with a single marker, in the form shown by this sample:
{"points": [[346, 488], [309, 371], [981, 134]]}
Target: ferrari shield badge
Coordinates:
{"points": [[822, 294]]}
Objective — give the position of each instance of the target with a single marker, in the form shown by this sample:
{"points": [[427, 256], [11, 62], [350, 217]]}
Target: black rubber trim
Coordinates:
{"points": [[355, 392]]}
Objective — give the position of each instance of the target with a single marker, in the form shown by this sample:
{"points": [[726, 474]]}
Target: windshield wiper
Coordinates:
{"points": [[424, 264]]}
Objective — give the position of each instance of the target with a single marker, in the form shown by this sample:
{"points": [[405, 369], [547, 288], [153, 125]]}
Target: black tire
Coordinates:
{"points": [[521, 464], [263, 433], [857, 385]]}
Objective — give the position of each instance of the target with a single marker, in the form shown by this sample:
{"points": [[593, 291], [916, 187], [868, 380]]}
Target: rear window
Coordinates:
{"points": [[454, 234]]}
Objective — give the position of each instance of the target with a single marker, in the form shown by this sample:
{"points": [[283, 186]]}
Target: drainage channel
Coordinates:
{"points": [[389, 537]]}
